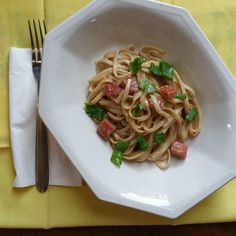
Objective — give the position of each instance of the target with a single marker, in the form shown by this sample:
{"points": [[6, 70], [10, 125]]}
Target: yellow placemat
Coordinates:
{"points": [[64, 206]]}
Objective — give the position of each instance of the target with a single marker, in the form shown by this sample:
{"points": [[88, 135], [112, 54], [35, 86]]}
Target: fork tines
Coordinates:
{"points": [[35, 30]]}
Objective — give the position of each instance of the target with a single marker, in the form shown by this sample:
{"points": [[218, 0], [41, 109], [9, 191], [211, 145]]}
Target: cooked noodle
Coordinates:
{"points": [[170, 120]]}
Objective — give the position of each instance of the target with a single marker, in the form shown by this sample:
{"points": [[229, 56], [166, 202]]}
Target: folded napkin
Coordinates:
{"points": [[23, 93]]}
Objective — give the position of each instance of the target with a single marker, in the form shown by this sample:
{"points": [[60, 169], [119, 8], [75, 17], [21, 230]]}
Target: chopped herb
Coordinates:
{"points": [[155, 70], [137, 109], [119, 149], [192, 113], [142, 143], [95, 111], [159, 138], [121, 146], [181, 96], [147, 86], [166, 70], [135, 65], [117, 157]]}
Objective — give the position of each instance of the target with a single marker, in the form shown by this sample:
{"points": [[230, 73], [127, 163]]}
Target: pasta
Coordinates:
{"points": [[139, 99]]}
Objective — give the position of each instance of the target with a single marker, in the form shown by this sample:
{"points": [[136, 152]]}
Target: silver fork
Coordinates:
{"points": [[41, 150]]}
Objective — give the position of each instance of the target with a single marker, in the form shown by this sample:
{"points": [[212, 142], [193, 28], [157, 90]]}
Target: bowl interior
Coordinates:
{"points": [[116, 25]]}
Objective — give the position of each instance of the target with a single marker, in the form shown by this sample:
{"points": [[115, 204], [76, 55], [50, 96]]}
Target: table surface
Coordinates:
{"points": [[220, 229], [26, 208]]}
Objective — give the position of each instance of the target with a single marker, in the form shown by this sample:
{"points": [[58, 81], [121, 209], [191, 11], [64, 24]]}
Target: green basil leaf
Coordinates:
{"points": [[95, 111], [137, 109], [147, 86], [135, 65], [159, 138], [155, 70], [167, 70], [121, 146], [117, 157], [181, 96], [191, 115], [142, 143]]}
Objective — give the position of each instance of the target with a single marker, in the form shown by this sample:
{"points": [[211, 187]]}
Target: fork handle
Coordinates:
{"points": [[41, 155]]}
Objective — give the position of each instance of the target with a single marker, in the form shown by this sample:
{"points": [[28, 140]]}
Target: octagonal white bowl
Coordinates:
{"points": [[70, 52]]}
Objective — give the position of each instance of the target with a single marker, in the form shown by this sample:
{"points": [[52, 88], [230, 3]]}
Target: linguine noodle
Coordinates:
{"points": [[168, 118]]}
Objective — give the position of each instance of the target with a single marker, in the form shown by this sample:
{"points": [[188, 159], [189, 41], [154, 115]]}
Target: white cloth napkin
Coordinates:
{"points": [[23, 91]]}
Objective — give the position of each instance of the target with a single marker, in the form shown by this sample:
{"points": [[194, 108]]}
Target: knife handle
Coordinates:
{"points": [[41, 155]]}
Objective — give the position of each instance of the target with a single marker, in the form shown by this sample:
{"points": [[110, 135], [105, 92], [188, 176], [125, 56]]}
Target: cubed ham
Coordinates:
{"points": [[133, 85], [160, 100], [112, 89], [168, 91], [179, 149], [105, 128]]}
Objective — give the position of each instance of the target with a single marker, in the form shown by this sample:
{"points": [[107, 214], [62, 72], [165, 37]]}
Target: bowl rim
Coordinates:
{"points": [[45, 114]]}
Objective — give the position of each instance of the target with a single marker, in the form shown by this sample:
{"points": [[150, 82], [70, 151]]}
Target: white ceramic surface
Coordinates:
{"points": [[69, 55]]}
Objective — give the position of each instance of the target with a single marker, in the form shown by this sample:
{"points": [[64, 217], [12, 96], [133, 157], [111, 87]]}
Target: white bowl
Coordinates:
{"points": [[70, 52]]}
